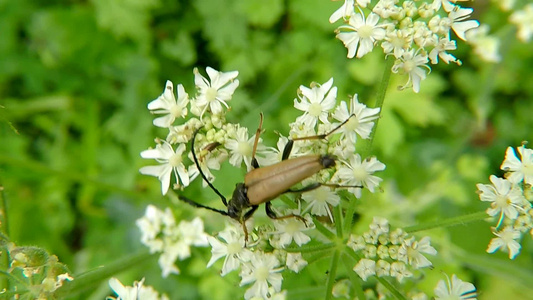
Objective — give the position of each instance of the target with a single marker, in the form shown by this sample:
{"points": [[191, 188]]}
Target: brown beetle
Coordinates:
{"points": [[263, 184]]}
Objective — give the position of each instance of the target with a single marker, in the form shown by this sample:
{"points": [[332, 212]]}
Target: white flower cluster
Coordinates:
{"points": [[264, 256], [161, 233], [208, 113], [259, 268], [523, 19], [135, 292], [510, 200], [414, 32], [389, 253]]}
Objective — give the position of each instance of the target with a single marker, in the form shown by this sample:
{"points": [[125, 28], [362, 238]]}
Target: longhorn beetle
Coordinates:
{"points": [[263, 184]]}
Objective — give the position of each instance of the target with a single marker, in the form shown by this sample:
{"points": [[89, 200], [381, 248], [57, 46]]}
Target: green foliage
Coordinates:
{"points": [[76, 76]]}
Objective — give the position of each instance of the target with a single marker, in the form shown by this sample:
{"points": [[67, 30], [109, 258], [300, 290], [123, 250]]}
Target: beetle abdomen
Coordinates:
{"points": [[267, 183]]}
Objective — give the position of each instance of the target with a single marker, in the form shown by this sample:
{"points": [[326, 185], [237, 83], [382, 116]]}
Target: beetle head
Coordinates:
{"points": [[238, 202]]}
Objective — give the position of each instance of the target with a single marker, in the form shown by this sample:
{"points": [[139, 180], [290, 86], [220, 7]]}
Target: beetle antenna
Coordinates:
{"points": [[324, 135], [256, 141], [192, 203], [203, 175]]}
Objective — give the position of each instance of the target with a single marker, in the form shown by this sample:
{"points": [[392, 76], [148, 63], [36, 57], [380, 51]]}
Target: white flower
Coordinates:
{"points": [[485, 46], [345, 11], [241, 148], [135, 292], [458, 16], [411, 252], [295, 262], [399, 270], [361, 122], [519, 169], [504, 198], [361, 34], [523, 19], [171, 161], [319, 200], [291, 229], [440, 51], [167, 104], [506, 239], [412, 64], [456, 289], [262, 270], [357, 173], [233, 250], [397, 41], [365, 268], [379, 225], [382, 268], [315, 102], [150, 226], [215, 93], [192, 233]]}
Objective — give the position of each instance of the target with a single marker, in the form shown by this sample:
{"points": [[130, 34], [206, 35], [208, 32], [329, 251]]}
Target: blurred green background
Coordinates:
{"points": [[76, 76]]}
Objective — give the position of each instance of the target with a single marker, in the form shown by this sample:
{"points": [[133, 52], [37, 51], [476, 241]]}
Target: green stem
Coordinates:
{"points": [[348, 217], [337, 216], [460, 220], [322, 229], [313, 248], [380, 98], [4, 233], [94, 277], [395, 292], [332, 274], [356, 281]]}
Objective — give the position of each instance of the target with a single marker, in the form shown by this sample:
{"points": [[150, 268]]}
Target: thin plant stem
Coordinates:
{"points": [[380, 99], [332, 274], [459, 220]]}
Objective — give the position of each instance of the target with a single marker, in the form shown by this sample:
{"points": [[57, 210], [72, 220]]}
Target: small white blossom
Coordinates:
{"points": [[233, 250], [519, 169], [319, 200], [241, 148], [523, 19], [397, 41], [170, 161], [456, 289], [215, 92], [135, 292], [412, 64], [379, 225], [291, 229], [295, 262], [506, 239], [262, 270], [382, 268], [345, 11], [485, 45], [440, 51], [359, 173], [360, 123], [315, 102], [400, 271], [365, 268], [168, 105], [459, 24], [361, 34], [411, 252], [504, 198]]}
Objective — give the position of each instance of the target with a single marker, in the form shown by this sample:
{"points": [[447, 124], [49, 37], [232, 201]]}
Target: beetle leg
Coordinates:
{"points": [[255, 165], [316, 185], [271, 214], [195, 204], [247, 216]]}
